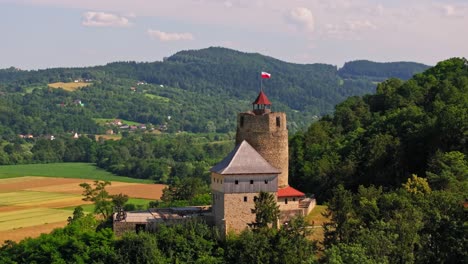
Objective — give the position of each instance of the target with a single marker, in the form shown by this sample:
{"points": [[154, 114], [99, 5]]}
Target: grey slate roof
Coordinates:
{"points": [[244, 159]]}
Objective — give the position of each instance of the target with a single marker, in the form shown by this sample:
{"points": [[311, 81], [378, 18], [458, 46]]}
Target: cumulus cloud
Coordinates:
{"points": [[166, 36], [101, 19], [349, 29], [302, 17]]}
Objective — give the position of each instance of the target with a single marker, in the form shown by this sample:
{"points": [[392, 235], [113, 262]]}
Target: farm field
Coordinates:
{"points": [[64, 170], [31, 205], [69, 86]]}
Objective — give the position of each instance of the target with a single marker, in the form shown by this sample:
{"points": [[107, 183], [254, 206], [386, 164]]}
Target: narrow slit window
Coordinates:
{"points": [[251, 181], [241, 121], [286, 201], [245, 198], [236, 182], [278, 121]]}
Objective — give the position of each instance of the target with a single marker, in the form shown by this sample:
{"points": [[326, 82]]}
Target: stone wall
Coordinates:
{"points": [[291, 205], [237, 212], [268, 135], [121, 227]]}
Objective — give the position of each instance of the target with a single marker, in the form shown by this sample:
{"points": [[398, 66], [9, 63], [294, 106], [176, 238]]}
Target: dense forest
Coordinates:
{"points": [[380, 71], [194, 91]]}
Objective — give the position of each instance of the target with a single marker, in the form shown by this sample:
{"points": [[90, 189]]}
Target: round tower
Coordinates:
{"points": [[267, 133]]}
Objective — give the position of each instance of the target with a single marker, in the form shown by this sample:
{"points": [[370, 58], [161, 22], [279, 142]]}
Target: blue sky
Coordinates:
{"points": [[39, 34]]}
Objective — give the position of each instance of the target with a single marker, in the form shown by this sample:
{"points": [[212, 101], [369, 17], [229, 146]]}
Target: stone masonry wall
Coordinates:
{"points": [[291, 205], [237, 213], [267, 138]]}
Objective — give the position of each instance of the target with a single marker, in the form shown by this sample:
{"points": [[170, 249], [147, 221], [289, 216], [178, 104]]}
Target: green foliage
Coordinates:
{"points": [[287, 245], [185, 192], [141, 248], [381, 71], [417, 185], [266, 211], [76, 243], [103, 202], [373, 226], [413, 127]]}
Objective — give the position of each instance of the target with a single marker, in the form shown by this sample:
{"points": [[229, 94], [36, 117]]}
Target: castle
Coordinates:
{"points": [[259, 162]]}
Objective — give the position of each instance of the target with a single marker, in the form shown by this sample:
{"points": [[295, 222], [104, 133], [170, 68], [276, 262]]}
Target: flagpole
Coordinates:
{"points": [[261, 83]]}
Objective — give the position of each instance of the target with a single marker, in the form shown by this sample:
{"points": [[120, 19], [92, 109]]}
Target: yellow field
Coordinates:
{"points": [[32, 205], [109, 137], [70, 86]]}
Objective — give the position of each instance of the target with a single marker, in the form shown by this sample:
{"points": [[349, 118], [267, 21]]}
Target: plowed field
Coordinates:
{"points": [[32, 205]]}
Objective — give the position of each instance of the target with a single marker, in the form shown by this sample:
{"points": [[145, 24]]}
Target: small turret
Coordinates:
{"points": [[261, 105]]}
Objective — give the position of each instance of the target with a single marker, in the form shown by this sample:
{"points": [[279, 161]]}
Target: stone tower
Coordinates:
{"points": [[267, 133]]}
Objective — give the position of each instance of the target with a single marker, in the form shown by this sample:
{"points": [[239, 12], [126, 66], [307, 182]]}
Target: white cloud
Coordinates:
{"points": [[302, 17], [449, 10], [357, 25], [349, 29], [166, 36], [101, 19]]}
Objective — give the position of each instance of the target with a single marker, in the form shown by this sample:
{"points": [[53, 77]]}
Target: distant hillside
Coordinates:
{"points": [[200, 90], [381, 71]]}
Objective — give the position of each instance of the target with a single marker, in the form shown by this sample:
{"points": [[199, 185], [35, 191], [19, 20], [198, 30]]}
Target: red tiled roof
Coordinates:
{"points": [[289, 192], [262, 99]]}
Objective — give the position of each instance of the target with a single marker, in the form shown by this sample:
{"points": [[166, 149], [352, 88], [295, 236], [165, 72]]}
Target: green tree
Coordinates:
{"points": [[266, 211], [99, 196]]}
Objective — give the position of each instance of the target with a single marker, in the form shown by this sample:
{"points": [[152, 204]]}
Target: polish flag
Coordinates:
{"points": [[266, 75]]}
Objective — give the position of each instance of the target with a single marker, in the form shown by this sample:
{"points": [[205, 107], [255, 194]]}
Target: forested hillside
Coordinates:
{"points": [[380, 71], [414, 127], [195, 91]]}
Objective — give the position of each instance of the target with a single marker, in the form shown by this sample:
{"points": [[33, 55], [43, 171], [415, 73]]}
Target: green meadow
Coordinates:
{"points": [[64, 170]]}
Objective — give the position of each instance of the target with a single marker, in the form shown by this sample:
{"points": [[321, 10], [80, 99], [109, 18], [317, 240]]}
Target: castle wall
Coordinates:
{"points": [[238, 212], [291, 205], [268, 135]]}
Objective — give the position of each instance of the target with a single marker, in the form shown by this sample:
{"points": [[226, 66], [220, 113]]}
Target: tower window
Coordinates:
{"points": [[266, 181], [241, 121], [251, 181], [286, 201], [236, 182], [255, 198], [278, 121], [245, 198], [294, 199]]}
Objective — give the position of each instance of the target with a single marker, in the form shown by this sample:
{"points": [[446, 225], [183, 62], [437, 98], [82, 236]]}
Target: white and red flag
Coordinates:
{"points": [[266, 75]]}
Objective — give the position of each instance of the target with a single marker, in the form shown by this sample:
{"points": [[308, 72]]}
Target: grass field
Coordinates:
{"points": [[31, 205], [103, 121], [69, 86], [64, 170], [316, 220], [158, 98]]}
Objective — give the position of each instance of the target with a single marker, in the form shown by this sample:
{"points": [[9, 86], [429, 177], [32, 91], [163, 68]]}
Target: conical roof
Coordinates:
{"points": [[244, 159], [262, 99]]}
